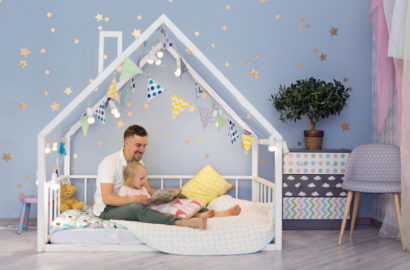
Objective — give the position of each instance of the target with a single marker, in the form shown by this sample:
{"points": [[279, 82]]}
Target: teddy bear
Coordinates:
{"points": [[67, 199]]}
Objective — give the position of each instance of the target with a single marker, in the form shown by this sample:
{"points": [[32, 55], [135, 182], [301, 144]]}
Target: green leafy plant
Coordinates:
{"points": [[312, 97]]}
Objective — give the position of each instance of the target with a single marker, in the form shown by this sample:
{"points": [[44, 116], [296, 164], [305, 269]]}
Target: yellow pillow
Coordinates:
{"points": [[205, 186]]}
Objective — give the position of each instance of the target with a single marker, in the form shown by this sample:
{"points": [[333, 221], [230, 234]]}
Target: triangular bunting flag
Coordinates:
{"points": [[198, 90], [112, 91], [246, 142], [129, 69], [126, 95], [84, 125], [232, 132], [132, 85], [205, 114], [154, 89], [178, 105], [100, 112], [62, 149], [221, 122], [166, 41]]}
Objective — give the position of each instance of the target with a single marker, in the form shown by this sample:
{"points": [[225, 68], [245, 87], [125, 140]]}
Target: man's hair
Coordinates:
{"points": [[135, 130]]}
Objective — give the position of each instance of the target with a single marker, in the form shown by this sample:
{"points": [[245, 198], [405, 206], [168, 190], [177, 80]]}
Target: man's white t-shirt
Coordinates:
{"points": [[110, 171]]}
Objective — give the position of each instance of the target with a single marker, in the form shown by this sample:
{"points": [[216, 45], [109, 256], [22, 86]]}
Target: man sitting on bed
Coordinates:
{"points": [[108, 205]]}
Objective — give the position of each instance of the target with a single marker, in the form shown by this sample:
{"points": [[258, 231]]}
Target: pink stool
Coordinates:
{"points": [[25, 211]]}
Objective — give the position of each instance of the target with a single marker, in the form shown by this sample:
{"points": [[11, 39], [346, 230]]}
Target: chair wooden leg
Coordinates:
{"points": [[354, 215], [398, 215], [346, 213]]}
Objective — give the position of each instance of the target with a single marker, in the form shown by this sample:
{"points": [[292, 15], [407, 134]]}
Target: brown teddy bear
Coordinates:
{"points": [[67, 199]]}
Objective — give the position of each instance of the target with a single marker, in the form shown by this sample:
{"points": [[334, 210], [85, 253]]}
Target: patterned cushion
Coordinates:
{"points": [[206, 186], [182, 208]]}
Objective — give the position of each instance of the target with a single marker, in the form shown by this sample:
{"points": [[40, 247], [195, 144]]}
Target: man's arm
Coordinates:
{"points": [[109, 198]]}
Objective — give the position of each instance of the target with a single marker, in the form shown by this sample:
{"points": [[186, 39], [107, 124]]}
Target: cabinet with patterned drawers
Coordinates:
{"points": [[313, 197]]}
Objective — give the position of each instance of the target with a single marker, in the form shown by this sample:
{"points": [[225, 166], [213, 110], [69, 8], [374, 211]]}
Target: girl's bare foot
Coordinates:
{"points": [[233, 211], [207, 214], [196, 223]]}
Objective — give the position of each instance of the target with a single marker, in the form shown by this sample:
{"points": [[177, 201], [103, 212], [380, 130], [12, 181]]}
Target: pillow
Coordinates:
{"points": [[205, 186], [182, 208]]}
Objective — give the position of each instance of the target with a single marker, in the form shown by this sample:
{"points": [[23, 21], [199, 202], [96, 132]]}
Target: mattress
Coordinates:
{"points": [[95, 236]]}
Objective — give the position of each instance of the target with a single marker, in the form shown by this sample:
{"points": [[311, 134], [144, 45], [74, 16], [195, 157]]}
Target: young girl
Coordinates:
{"points": [[135, 182]]}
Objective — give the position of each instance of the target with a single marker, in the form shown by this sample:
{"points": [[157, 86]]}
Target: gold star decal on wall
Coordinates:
{"points": [[75, 155], [213, 45], [146, 106], [302, 20], [204, 95], [191, 108], [46, 93], [106, 19], [248, 63], [227, 64], [22, 105], [52, 30], [24, 51], [47, 72], [55, 106], [166, 134], [299, 27], [188, 51], [315, 50], [18, 186], [6, 157], [186, 141], [76, 41], [345, 79], [257, 55], [23, 63], [277, 16], [136, 33], [68, 90], [323, 57], [129, 114], [228, 7], [345, 126], [299, 65], [350, 89], [139, 17], [99, 17], [21, 195], [100, 28], [198, 138], [206, 155], [249, 116], [26, 177], [197, 34], [333, 31], [43, 50], [263, 1], [120, 124], [224, 28], [307, 25], [254, 74], [128, 104], [262, 161], [99, 143], [49, 14]]}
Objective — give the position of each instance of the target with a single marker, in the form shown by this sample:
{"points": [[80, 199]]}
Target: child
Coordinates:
{"points": [[135, 177]]}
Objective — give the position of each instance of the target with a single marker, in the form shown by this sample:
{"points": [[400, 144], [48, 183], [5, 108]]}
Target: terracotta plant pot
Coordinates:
{"points": [[313, 139]]}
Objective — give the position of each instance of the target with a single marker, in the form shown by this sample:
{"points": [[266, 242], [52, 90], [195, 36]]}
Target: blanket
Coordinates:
{"points": [[248, 232]]}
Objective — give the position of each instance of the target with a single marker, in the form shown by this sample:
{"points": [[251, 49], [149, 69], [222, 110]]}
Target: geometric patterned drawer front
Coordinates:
{"points": [[315, 163], [313, 208], [311, 185]]}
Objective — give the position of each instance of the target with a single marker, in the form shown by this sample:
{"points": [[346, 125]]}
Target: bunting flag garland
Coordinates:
{"points": [[132, 85], [126, 95], [100, 112], [113, 91], [84, 125], [233, 133], [62, 148], [166, 42], [246, 141], [178, 105], [198, 90], [221, 122], [205, 114], [129, 69], [154, 89]]}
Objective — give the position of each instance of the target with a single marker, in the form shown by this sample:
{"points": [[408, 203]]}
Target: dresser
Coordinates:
{"points": [[313, 197]]}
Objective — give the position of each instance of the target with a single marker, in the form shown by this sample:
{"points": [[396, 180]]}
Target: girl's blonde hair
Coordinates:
{"points": [[131, 171]]}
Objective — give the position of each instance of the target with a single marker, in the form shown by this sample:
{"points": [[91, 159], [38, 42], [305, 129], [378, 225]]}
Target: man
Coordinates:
{"points": [[108, 205]]}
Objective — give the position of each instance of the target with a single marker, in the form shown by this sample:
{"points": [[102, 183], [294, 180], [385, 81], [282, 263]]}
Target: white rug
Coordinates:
{"points": [[249, 232]]}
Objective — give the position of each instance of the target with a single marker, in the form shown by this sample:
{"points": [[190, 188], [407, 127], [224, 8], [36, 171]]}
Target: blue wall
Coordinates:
{"points": [[282, 40]]}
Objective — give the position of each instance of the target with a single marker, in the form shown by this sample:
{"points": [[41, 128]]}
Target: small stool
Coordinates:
{"points": [[25, 211]]}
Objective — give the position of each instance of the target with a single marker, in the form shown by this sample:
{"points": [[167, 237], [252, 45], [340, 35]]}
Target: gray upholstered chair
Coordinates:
{"points": [[372, 168]]}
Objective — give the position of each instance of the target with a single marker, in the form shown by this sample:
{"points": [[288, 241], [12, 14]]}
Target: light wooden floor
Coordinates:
{"points": [[302, 250]]}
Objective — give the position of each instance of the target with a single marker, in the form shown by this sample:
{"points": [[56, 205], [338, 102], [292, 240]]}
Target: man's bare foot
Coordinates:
{"points": [[233, 211], [196, 223], [207, 214]]}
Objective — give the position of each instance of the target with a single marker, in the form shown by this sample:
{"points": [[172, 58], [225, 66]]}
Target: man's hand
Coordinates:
{"points": [[143, 199]]}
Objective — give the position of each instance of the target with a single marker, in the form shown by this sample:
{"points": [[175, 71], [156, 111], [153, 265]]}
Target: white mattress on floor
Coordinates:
{"points": [[95, 236]]}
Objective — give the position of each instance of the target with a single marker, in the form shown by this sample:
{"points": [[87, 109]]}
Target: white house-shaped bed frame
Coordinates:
{"points": [[275, 139]]}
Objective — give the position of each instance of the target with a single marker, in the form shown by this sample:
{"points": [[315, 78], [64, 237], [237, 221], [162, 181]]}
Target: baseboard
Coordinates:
{"points": [[323, 224], [15, 221]]}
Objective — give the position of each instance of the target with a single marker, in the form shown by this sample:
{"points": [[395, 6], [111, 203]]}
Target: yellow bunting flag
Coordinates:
{"points": [[113, 91], [178, 105], [246, 142]]}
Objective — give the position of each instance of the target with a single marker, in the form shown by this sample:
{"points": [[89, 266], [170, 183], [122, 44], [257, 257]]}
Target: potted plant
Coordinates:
{"points": [[312, 97]]}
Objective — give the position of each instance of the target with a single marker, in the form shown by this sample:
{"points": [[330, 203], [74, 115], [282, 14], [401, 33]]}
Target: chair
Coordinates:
{"points": [[26, 202], [372, 168]]}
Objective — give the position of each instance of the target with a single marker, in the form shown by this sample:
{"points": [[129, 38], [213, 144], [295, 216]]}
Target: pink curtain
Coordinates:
{"points": [[384, 66]]}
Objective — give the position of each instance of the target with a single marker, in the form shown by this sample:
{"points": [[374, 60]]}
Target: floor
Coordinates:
{"points": [[301, 250]]}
